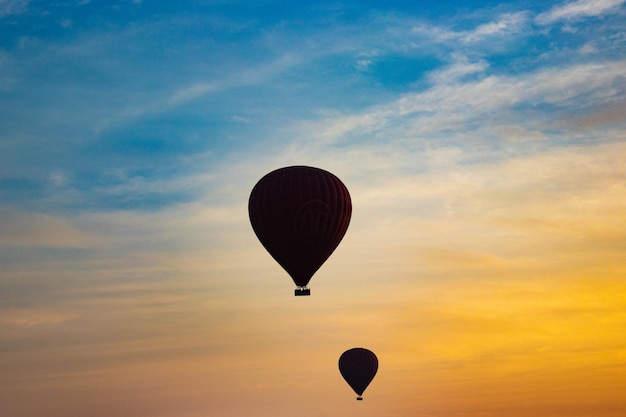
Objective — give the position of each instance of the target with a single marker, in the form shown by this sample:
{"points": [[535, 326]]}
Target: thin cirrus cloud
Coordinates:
{"points": [[505, 26], [185, 94], [42, 230], [13, 7], [34, 318], [577, 10], [456, 104]]}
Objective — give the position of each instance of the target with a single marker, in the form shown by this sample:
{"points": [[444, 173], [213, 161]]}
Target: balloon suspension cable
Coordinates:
{"points": [[302, 291]]}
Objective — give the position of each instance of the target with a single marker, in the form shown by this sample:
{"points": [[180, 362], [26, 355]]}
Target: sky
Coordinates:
{"points": [[483, 146]]}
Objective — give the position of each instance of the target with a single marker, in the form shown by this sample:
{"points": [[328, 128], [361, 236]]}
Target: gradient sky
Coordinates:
{"points": [[483, 144]]}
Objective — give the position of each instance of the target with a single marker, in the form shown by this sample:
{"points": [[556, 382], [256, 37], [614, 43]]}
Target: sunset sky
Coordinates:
{"points": [[483, 144]]}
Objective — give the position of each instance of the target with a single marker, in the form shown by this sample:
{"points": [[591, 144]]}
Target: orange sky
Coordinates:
{"points": [[505, 298]]}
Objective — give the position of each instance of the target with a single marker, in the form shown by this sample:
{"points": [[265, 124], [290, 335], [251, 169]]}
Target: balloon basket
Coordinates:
{"points": [[359, 398], [302, 291]]}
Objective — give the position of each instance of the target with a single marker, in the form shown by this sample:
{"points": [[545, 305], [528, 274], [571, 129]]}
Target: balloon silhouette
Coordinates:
{"points": [[358, 367], [300, 214]]}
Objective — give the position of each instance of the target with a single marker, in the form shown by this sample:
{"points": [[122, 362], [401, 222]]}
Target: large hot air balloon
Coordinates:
{"points": [[358, 367], [300, 214]]}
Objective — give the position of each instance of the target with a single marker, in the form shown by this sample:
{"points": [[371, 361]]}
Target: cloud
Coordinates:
{"points": [[461, 107], [577, 10], [42, 230], [187, 92], [13, 7], [600, 118], [504, 26], [459, 67], [33, 318]]}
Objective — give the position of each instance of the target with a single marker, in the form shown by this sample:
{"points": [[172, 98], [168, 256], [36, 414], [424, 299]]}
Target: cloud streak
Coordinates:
{"points": [[12, 7], [576, 10], [34, 318], [453, 105]]}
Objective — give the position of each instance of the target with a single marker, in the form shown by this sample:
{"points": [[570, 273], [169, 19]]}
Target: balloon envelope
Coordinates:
{"points": [[358, 367], [300, 214]]}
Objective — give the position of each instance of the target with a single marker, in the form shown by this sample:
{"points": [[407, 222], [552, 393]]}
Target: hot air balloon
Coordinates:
{"points": [[358, 367], [300, 214]]}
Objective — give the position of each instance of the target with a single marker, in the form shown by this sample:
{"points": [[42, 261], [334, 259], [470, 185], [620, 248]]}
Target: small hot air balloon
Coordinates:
{"points": [[358, 367], [300, 214]]}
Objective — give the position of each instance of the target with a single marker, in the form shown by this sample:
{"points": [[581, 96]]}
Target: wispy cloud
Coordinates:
{"points": [[13, 7], [502, 27], [184, 94], [41, 230], [506, 24], [34, 318], [459, 67], [453, 105], [579, 9]]}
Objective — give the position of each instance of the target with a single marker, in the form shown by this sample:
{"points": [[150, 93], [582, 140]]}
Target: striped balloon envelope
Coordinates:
{"points": [[300, 215]]}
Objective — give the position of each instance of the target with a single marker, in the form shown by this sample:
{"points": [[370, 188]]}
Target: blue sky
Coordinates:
{"points": [[482, 144], [99, 96]]}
